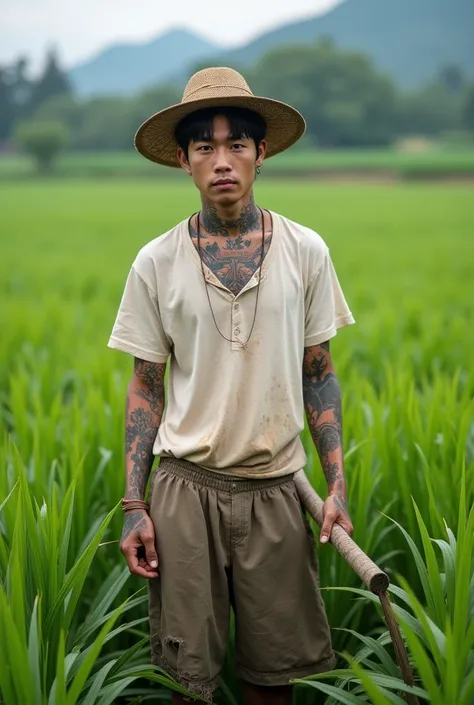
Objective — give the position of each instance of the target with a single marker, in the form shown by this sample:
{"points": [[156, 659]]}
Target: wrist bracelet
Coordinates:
{"points": [[129, 505]]}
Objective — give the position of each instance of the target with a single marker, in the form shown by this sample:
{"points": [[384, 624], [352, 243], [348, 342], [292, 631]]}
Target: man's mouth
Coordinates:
{"points": [[223, 184]]}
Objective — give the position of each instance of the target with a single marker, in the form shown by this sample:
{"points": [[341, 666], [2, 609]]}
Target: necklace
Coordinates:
{"points": [[230, 340]]}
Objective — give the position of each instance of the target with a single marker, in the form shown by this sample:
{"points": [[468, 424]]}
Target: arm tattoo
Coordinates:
{"points": [[154, 390], [141, 430], [142, 422], [341, 504], [322, 400], [331, 470], [133, 521], [323, 395], [327, 437]]}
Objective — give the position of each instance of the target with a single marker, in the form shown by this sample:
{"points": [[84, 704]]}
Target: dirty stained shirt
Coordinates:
{"points": [[231, 408]]}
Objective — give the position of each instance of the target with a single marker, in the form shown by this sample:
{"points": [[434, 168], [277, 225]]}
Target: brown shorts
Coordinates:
{"points": [[222, 542]]}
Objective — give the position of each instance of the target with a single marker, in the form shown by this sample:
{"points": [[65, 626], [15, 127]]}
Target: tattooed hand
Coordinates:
{"points": [[138, 544], [335, 511]]}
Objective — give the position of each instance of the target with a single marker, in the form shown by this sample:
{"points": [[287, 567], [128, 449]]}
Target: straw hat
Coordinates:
{"points": [[155, 138]]}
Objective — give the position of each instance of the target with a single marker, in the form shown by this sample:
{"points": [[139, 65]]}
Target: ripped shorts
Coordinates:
{"points": [[228, 543]]}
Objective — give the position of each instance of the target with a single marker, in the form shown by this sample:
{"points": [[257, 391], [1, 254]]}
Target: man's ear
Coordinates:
{"points": [[261, 152], [184, 161]]}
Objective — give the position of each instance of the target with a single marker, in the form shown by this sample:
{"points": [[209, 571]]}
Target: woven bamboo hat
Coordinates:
{"points": [[156, 140]]}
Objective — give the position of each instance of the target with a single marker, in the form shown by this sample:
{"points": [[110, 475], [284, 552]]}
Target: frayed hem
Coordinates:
{"points": [[202, 690], [187, 680]]}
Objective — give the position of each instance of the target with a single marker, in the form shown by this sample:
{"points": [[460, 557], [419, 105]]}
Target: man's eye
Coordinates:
{"points": [[204, 148], [238, 146]]}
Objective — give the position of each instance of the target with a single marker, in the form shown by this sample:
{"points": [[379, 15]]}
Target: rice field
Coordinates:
{"points": [[439, 162], [73, 621]]}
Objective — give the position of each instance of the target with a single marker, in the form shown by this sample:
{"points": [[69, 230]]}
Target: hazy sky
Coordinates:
{"points": [[81, 28]]}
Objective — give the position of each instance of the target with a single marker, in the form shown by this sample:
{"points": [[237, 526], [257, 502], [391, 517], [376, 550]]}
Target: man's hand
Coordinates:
{"points": [[335, 511], [138, 544]]}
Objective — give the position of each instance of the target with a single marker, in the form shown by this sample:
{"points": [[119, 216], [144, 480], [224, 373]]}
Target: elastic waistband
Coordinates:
{"points": [[223, 483]]}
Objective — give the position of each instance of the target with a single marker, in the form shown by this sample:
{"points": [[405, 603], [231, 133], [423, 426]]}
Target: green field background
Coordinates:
{"points": [[436, 162], [404, 255]]}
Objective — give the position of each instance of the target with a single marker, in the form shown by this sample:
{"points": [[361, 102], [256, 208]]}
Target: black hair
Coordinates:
{"points": [[244, 123]]}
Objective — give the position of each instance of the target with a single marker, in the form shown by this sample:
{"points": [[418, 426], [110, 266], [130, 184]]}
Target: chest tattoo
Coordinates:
{"points": [[233, 260]]}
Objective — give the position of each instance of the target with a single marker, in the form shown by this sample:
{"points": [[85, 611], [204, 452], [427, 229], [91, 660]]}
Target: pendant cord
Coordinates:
{"points": [[230, 340]]}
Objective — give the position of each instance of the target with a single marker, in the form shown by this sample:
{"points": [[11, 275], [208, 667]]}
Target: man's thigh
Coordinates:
{"points": [[281, 626]]}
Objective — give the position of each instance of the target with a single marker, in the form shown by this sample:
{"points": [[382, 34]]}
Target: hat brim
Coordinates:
{"points": [[155, 138]]}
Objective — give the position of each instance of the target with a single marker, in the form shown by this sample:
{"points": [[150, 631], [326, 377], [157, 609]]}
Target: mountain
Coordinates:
{"points": [[124, 69], [409, 39]]}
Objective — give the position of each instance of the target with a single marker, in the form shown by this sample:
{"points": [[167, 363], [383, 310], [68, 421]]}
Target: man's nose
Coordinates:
{"points": [[221, 160]]}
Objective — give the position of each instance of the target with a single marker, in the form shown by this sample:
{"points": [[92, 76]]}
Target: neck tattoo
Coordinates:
{"points": [[246, 222]]}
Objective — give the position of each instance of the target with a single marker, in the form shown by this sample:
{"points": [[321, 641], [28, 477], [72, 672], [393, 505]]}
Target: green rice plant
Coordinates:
{"points": [[438, 162], [404, 258], [51, 643], [438, 631], [410, 439]]}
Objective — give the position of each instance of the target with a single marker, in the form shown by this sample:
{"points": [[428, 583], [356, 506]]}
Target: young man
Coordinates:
{"points": [[243, 302]]}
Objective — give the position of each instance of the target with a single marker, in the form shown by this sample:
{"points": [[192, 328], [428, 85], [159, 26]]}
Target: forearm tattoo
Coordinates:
{"points": [[133, 521], [322, 401], [142, 421]]}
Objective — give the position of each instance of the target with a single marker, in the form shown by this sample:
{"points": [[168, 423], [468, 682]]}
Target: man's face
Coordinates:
{"points": [[223, 169]]}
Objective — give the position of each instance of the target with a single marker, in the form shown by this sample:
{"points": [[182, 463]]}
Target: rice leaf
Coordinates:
{"points": [[97, 683], [34, 652], [82, 674]]}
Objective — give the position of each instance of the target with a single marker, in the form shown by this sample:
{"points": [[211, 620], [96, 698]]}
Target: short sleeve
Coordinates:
{"points": [[326, 309], [138, 329]]}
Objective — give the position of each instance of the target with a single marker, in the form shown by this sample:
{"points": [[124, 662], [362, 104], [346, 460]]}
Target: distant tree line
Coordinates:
{"points": [[345, 99], [22, 97]]}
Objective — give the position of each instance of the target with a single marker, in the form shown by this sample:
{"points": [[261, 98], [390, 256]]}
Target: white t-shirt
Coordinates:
{"points": [[231, 408]]}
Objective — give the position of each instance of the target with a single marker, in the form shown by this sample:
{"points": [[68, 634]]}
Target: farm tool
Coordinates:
{"points": [[375, 579]]}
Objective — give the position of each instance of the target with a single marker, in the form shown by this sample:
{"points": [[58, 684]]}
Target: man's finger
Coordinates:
{"points": [[135, 565], [142, 572], [346, 525], [150, 550], [143, 563], [326, 528]]}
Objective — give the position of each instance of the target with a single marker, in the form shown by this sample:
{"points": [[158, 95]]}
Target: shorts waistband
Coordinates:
{"points": [[223, 483]]}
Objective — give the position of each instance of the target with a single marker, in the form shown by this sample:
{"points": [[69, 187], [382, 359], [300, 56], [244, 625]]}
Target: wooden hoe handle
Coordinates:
{"points": [[375, 579]]}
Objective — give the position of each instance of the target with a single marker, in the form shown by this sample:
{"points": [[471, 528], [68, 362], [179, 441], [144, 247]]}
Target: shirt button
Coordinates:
{"points": [[234, 486], [236, 307], [237, 331]]}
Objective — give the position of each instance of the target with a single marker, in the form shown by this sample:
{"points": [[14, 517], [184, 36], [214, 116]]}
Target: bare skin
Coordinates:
{"points": [[322, 401], [145, 404], [230, 222]]}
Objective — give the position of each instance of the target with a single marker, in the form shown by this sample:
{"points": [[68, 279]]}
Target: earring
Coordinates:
{"points": [[258, 170]]}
